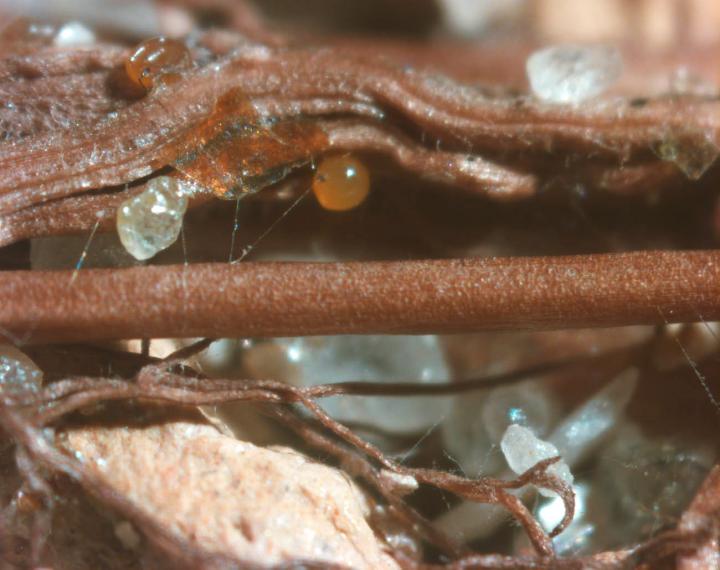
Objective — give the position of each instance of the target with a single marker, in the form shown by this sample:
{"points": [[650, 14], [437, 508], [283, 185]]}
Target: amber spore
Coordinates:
{"points": [[235, 151], [157, 58], [341, 183]]}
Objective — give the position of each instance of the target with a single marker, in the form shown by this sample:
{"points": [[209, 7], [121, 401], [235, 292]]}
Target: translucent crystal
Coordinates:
{"points": [[577, 536], [692, 150], [152, 220], [470, 17], [571, 74], [581, 432], [683, 81], [647, 482], [465, 437], [220, 356], [74, 34], [523, 404], [318, 360], [523, 450], [576, 436], [18, 373], [479, 420]]}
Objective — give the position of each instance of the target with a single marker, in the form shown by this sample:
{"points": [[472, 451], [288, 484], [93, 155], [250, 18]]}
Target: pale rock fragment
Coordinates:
{"points": [[318, 360], [257, 505], [571, 74]]}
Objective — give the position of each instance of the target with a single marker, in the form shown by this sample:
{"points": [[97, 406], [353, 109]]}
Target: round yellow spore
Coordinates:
{"points": [[341, 183]]}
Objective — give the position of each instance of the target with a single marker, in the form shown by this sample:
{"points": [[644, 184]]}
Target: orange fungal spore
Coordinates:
{"points": [[155, 58], [341, 183]]}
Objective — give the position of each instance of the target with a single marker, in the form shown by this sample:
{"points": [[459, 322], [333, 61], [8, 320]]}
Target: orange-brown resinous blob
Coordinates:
{"points": [[157, 57], [341, 183]]}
